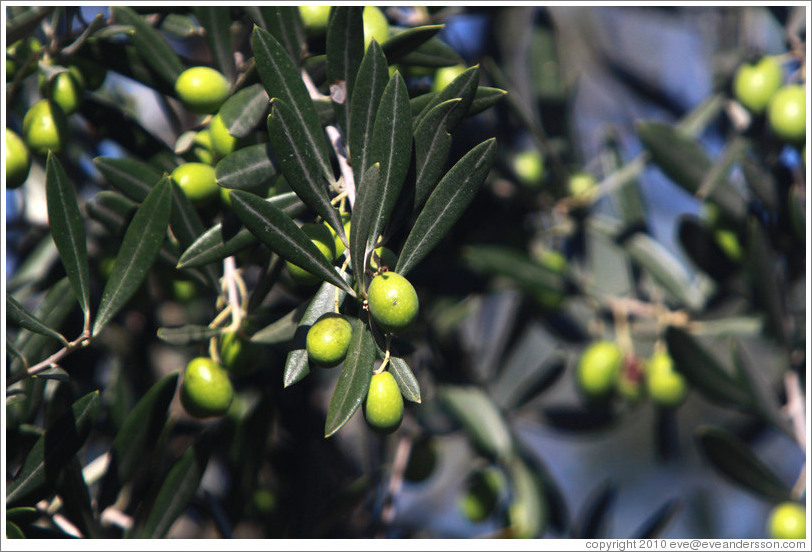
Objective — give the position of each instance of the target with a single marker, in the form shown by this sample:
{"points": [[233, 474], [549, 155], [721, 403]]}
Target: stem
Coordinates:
{"points": [[230, 279], [51, 361]]}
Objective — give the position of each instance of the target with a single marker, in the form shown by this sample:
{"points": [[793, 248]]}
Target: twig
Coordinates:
{"points": [[230, 277], [337, 141], [53, 360], [396, 480]]}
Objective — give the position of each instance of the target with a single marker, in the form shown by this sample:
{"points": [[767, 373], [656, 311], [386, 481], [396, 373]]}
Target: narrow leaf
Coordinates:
{"points": [[363, 212], [761, 393], [281, 330], [52, 451], [765, 280], [702, 370], [327, 299], [242, 112], [463, 87], [373, 75], [528, 511], [285, 24], [485, 98], [594, 518], [353, 383], [392, 148], [432, 143], [733, 459], [151, 46], [407, 382], [211, 246], [345, 49], [446, 204], [68, 231], [217, 22], [480, 417], [658, 521], [187, 335], [17, 314], [282, 80], [187, 227], [282, 236], [137, 436], [432, 53], [299, 162], [133, 178], [402, 43], [250, 168], [138, 251]]}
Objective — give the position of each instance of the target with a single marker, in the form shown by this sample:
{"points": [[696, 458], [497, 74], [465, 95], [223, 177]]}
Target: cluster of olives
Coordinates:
{"points": [[206, 390], [604, 369], [760, 87], [45, 126]]}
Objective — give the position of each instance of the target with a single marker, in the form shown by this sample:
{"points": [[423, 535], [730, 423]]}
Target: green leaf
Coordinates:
{"points": [[345, 49], [482, 421], [446, 204], [187, 227], [76, 505], [13, 531], [761, 393], [702, 370], [23, 515], [68, 231], [327, 299], [528, 510], [373, 75], [151, 46], [138, 251], [485, 98], [593, 521], [657, 522], [698, 242], [282, 236], [432, 143], [665, 269], [299, 163], [407, 382], [402, 43], [432, 53], [463, 87], [285, 24], [392, 148], [682, 158], [242, 112], [733, 459], [765, 280], [250, 168], [133, 178], [136, 438], [17, 314], [211, 246], [217, 22], [282, 330], [187, 335], [353, 383], [181, 26], [52, 451], [282, 81], [55, 373], [116, 122], [175, 494], [363, 212]]}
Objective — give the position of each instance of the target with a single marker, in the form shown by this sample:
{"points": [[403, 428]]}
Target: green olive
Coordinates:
{"points": [[65, 89], [339, 245], [221, 140], [482, 494], [787, 521], [787, 113], [599, 368], [328, 340], [206, 390], [383, 257], [315, 18], [18, 161], [202, 89], [202, 147], [392, 301], [581, 183], [45, 127], [444, 75], [529, 168], [239, 356], [197, 180], [755, 83], [383, 407], [375, 26], [323, 240], [665, 386]]}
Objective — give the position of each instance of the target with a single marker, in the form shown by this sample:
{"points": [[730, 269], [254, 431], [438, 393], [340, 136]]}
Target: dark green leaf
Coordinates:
{"points": [[133, 178], [187, 335], [116, 122], [765, 280], [657, 522], [363, 211], [432, 143], [13, 531], [217, 22], [481, 418], [717, 175], [282, 81], [699, 243], [702, 370], [210, 247], [373, 75], [176, 492], [593, 520], [299, 162], [53, 450], [137, 436], [181, 26], [407, 382], [23, 515], [282, 236], [327, 299], [665, 269], [446, 204], [573, 419], [55, 373], [281, 330], [528, 275], [463, 87], [392, 148], [402, 43], [250, 168], [242, 112], [682, 158], [187, 227], [138, 251], [345, 49], [68, 231], [485, 98], [17, 314], [761, 393], [285, 24], [112, 209], [732, 458], [76, 505], [528, 510], [353, 383], [433, 53], [151, 46]]}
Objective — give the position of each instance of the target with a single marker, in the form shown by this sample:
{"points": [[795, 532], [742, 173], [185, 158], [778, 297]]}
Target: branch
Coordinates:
{"points": [[53, 360]]}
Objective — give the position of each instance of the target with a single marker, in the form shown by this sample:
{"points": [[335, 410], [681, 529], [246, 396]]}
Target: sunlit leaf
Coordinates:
{"points": [[353, 383]]}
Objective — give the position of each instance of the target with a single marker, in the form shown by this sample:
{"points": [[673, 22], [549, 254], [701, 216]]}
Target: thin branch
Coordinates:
{"points": [[53, 360]]}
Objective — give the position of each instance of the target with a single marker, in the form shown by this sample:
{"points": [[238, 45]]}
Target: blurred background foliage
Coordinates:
{"points": [[503, 444]]}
